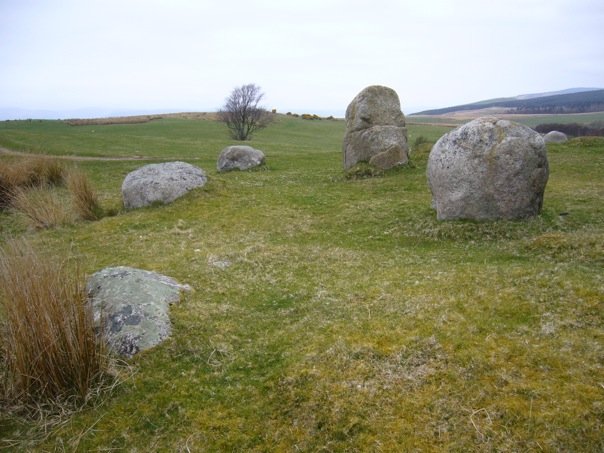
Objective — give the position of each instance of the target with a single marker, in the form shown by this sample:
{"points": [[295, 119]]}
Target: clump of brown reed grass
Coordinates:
{"points": [[84, 198], [43, 207], [31, 172], [50, 350], [26, 186], [43, 171]]}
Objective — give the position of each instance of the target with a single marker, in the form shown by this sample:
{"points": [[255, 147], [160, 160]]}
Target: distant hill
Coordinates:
{"points": [[554, 93], [574, 100]]}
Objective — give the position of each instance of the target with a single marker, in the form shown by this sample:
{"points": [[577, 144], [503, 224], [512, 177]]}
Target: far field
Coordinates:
{"points": [[529, 120], [348, 318]]}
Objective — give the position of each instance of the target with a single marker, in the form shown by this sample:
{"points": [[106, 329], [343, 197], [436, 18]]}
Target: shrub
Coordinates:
{"points": [[50, 350], [310, 116], [84, 198], [42, 207]]}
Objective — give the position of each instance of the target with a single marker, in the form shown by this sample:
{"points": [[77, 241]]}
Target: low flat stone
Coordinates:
{"points": [[133, 306]]}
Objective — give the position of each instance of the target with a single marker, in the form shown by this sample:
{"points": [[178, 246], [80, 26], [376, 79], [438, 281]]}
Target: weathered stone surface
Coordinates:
{"points": [[160, 183], [375, 129], [133, 306], [239, 157], [488, 169], [555, 137]]}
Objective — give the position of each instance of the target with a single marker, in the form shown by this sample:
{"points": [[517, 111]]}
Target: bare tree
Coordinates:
{"points": [[242, 113]]}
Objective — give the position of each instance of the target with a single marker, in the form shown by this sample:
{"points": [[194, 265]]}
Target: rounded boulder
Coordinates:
{"points": [[160, 183], [488, 169], [555, 137], [239, 157]]}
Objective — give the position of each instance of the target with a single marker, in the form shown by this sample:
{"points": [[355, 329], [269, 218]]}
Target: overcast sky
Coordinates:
{"points": [[110, 56]]}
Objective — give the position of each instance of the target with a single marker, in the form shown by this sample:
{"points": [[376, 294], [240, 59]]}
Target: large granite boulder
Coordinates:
{"points": [[375, 129], [555, 137], [488, 169], [132, 305], [160, 183], [239, 157]]}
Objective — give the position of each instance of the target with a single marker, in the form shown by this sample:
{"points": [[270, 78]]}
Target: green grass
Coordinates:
{"points": [[167, 137], [432, 120], [348, 318], [581, 118]]}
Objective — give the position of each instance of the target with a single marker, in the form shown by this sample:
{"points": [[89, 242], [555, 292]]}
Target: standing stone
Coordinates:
{"points": [[488, 169], [555, 137], [239, 157], [133, 307], [375, 129], [160, 183]]}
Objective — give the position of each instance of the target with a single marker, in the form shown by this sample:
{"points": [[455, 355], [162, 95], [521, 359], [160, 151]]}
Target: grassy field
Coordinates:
{"points": [[529, 120], [535, 120], [331, 314]]}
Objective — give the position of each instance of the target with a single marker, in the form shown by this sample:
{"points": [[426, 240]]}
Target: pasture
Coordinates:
{"points": [[346, 317]]}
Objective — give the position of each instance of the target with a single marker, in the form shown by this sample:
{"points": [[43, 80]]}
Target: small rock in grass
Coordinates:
{"points": [[555, 137], [239, 157], [133, 306]]}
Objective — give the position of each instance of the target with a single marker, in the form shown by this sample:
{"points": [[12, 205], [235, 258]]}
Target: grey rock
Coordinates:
{"points": [[375, 129], [132, 305], [488, 169], [555, 137], [239, 157], [160, 183]]}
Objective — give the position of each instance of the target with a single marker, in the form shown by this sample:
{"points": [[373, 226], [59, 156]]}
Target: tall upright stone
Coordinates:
{"points": [[488, 169], [375, 129]]}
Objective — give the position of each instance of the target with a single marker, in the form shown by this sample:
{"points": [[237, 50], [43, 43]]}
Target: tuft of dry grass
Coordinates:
{"points": [[84, 198], [42, 207], [43, 171], [49, 346], [26, 186], [31, 172]]}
